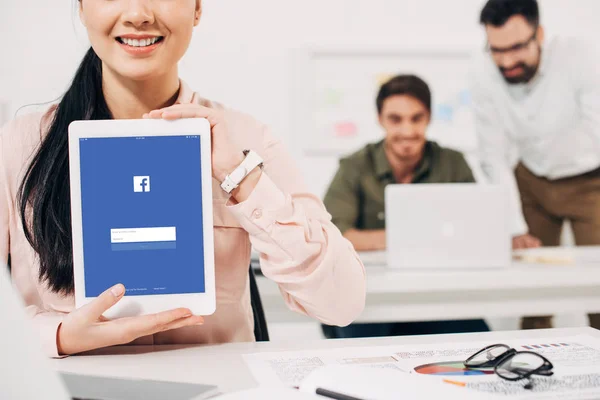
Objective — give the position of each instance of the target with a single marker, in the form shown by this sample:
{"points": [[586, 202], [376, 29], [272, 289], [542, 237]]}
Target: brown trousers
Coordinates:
{"points": [[547, 204]]}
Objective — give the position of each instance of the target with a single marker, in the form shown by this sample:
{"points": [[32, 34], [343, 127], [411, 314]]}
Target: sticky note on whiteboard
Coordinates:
{"points": [[333, 97], [443, 112], [345, 129], [383, 78]]}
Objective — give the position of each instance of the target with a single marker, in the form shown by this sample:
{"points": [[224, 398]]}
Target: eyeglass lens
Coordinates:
{"points": [[487, 355], [519, 365]]}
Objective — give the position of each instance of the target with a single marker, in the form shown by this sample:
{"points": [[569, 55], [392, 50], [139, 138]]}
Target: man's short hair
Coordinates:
{"points": [[497, 12], [410, 85]]}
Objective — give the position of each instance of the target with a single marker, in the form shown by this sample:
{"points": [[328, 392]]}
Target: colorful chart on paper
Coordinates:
{"points": [[451, 368]]}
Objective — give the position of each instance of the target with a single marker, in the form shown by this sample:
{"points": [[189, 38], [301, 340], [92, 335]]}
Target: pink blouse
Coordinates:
{"points": [[317, 270]]}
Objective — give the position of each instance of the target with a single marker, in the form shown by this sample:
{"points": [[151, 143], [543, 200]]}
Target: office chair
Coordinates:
{"points": [[261, 332]]}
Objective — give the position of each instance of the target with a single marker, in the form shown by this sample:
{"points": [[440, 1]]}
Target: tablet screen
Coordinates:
{"points": [[141, 200]]}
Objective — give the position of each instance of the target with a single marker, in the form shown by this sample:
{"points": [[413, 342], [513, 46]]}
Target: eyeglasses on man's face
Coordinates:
{"points": [[516, 48]]}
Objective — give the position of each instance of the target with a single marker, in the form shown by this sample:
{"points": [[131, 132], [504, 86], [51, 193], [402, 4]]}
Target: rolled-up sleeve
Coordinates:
{"points": [[317, 270]]}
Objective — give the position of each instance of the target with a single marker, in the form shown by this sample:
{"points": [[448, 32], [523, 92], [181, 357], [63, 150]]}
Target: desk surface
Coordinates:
{"points": [[520, 289], [224, 366], [583, 270]]}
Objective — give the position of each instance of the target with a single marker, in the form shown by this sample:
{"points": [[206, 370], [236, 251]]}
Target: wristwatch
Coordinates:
{"points": [[233, 180]]}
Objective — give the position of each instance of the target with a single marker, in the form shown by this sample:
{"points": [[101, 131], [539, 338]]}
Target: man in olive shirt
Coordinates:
{"points": [[355, 197]]}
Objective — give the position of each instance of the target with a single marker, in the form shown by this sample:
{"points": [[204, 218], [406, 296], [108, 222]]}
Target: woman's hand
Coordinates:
{"points": [[86, 329], [225, 155]]}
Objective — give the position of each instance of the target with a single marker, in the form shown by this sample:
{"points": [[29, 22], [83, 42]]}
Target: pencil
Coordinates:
{"points": [[461, 384]]}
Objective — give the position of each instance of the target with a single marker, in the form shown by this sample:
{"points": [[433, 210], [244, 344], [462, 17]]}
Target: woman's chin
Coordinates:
{"points": [[139, 74]]}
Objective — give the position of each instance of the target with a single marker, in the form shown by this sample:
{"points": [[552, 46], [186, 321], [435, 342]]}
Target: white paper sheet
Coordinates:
{"points": [[576, 361], [388, 384], [576, 368], [290, 368]]}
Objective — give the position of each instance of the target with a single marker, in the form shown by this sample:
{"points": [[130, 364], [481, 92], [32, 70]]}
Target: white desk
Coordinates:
{"points": [[223, 365], [521, 289]]}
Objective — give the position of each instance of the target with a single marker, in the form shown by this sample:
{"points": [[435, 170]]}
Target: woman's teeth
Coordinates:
{"points": [[139, 43]]}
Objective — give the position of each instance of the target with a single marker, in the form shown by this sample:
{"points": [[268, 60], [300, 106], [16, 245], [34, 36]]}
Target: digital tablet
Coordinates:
{"points": [[141, 206]]}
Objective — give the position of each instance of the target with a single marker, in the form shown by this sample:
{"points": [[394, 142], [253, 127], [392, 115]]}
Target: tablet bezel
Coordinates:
{"points": [[198, 303]]}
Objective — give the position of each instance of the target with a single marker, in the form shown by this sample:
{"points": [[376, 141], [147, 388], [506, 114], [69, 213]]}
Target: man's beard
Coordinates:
{"points": [[527, 75]]}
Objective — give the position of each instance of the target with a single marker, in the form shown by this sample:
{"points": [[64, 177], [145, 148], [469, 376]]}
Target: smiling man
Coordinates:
{"points": [[356, 195], [537, 107]]}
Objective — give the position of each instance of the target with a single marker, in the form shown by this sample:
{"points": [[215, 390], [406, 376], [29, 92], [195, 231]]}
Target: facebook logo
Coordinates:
{"points": [[141, 184]]}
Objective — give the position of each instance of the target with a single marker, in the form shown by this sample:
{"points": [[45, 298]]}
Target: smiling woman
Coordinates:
{"points": [[131, 72], [139, 44], [140, 40]]}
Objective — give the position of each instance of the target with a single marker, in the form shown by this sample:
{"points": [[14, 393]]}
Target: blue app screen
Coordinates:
{"points": [[141, 200]]}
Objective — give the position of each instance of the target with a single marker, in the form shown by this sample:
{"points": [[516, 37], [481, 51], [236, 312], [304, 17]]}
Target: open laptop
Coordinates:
{"points": [[447, 226], [23, 362]]}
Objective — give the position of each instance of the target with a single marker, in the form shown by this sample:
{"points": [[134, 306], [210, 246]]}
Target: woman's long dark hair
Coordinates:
{"points": [[44, 195]]}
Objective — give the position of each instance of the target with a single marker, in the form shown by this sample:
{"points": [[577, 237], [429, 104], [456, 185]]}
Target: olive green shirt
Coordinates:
{"points": [[355, 198]]}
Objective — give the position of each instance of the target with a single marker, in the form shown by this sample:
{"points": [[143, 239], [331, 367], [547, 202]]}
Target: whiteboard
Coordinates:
{"points": [[335, 90]]}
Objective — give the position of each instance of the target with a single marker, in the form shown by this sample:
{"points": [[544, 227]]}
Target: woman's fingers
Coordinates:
{"points": [[181, 113], [154, 114], [93, 311], [178, 111], [125, 330], [152, 323], [116, 332], [87, 329], [189, 321]]}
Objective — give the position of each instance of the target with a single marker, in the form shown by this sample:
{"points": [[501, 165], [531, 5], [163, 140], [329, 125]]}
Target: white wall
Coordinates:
{"points": [[240, 54]]}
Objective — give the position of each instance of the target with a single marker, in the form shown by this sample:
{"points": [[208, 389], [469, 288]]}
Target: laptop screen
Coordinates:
{"points": [[141, 200]]}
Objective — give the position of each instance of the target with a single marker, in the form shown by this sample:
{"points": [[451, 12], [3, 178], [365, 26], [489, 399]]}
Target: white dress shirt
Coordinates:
{"points": [[551, 124]]}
